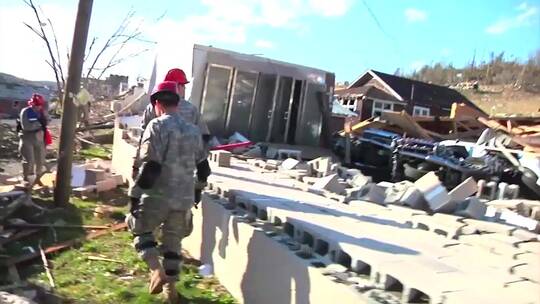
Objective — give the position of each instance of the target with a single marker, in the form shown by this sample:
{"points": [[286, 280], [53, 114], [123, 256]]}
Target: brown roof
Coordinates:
{"points": [[368, 91], [422, 93]]}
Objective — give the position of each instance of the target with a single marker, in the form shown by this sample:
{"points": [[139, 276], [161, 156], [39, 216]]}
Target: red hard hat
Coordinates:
{"points": [[165, 88], [36, 100], [176, 75]]}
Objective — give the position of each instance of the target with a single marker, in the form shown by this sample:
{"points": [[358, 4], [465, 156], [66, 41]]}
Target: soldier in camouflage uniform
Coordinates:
{"points": [[190, 114], [162, 194]]}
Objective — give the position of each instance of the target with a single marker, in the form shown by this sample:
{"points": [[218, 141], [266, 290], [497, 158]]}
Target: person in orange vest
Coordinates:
{"points": [[32, 129]]}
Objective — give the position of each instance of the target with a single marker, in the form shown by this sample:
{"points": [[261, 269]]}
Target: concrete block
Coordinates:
{"points": [[395, 192], [221, 158], [360, 180], [501, 192], [528, 272], [85, 192], [472, 207], [321, 166], [118, 179], [106, 185], [290, 163], [512, 192], [481, 187], [414, 199], [464, 190], [370, 192], [533, 247], [491, 190], [535, 213], [92, 176], [287, 153], [515, 219], [525, 235], [330, 183], [271, 153], [434, 193], [488, 227], [254, 152]]}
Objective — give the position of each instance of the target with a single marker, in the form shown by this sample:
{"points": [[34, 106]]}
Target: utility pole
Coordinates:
{"points": [[69, 109]]}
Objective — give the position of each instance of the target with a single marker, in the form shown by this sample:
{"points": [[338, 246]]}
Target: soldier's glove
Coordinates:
{"points": [[135, 203]]}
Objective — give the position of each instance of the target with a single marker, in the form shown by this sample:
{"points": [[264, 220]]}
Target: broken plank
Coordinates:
{"points": [[62, 246], [17, 236], [96, 258]]}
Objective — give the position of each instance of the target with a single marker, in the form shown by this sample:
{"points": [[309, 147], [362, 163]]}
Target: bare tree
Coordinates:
{"points": [[54, 60], [115, 45]]}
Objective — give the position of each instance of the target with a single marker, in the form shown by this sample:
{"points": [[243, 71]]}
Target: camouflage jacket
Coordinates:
{"points": [[177, 146], [187, 111]]}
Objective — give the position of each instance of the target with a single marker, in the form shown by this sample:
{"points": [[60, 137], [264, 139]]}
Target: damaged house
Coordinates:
{"points": [[263, 99], [376, 92]]}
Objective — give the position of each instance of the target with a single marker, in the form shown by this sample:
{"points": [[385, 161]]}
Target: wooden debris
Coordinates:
{"points": [[27, 226], [47, 267], [17, 236], [96, 258], [62, 246]]}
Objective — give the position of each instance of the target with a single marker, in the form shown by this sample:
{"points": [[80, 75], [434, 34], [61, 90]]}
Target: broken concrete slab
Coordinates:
{"points": [[395, 192], [464, 190], [289, 164], [330, 183], [515, 219], [434, 193], [525, 235], [360, 180], [255, 151], [414, 199], [471, 207], [370, 192]]}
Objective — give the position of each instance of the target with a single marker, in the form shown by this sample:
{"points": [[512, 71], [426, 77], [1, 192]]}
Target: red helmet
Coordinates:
{"points": [[165, 88], [36, 100], [176, 75]]}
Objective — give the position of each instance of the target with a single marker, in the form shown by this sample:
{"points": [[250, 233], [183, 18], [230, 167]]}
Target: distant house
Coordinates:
{"points": [[113, 86], [14, 96], [375, 92]]}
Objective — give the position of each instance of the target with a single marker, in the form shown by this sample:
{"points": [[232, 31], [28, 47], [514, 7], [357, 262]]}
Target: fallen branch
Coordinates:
{"points": [[62, 246], [46, 266]]}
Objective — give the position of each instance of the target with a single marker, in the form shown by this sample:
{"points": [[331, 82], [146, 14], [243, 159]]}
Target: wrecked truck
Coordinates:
{"points": [[389, 155]]}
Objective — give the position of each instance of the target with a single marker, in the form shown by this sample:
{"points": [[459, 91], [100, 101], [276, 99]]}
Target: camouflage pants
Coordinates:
{"points": [[173, 224]]}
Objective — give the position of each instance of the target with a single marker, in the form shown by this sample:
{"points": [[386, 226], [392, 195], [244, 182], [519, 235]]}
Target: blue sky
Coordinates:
{"points": [[340, 36]]}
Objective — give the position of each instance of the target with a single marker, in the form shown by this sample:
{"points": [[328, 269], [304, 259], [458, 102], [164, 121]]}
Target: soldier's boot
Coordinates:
{"points": [[171, 294]]}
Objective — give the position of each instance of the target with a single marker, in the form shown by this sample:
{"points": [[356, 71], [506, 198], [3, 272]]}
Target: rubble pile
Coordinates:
{"points": [[479, 200]]}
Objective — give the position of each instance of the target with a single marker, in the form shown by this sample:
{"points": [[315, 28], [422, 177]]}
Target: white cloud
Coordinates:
{"points": [[331, 8], [526, 16], [264, 44], [222, 22], [415, 15]]}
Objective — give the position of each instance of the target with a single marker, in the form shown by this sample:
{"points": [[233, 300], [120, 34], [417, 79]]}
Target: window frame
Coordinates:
{"points": [[383, 103], [422, 111]]}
